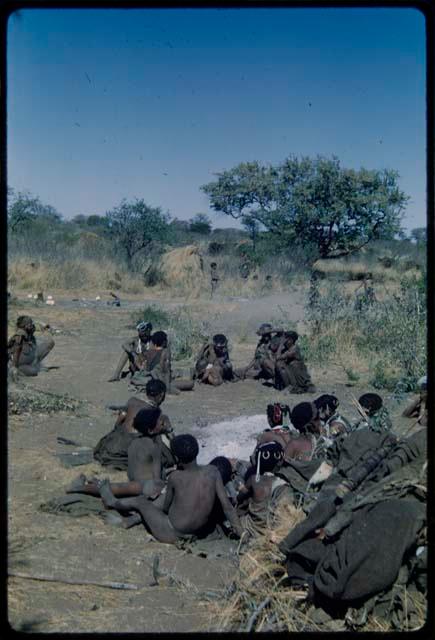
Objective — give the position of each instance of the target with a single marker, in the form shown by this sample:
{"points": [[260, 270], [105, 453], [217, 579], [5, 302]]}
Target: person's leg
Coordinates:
{"points": [[215, 377], [43, 348], [28, 369], [91, 488], [126, 522], [154, 518]]}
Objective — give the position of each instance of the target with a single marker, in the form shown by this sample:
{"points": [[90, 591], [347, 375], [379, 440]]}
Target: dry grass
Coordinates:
{"points": [[261, 575], [182, 269], [85, 275], [260, 600], [356, 270]]}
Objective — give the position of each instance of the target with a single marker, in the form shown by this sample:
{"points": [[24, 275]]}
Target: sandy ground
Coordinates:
{"points": [[86, 352]]}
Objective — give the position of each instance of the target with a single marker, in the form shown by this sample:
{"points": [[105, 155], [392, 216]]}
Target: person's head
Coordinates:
{"points": [[156, 390], [305, 417], [144, 330], [267, 456], [265, 330], [220, 343], [291, 337], [276, 412], [213, 265], [184, 448], [146, 421], [159, 339], [224, 467], [26, 323], [327, 405], [422, 387], [370, 402]]}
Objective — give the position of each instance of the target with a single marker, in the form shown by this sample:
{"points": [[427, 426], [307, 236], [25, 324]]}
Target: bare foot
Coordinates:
{"points": [[106, 494], [113, 518], [77, 485]]}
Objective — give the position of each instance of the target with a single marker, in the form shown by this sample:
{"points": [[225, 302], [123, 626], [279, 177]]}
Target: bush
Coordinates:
{"points": [[393, 329]]}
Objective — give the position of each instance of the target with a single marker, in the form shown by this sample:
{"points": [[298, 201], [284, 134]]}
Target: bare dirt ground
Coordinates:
{"points": [[86, 548]]}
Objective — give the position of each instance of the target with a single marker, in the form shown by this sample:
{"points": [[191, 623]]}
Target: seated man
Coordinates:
{"points": [[189, 501], [25, 353], [145, 462], [156, 362], [262, 488], [213, 365], [377, 416], [262, 365], [111, 449], [134, 350], [418, 408], [290, 369]]}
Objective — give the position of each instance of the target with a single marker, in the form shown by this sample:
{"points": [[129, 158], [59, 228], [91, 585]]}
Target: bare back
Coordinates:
{"points": [[194, 495]]}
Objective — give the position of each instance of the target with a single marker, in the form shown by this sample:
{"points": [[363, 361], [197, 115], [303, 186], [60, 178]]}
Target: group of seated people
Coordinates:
{"points": [[277, 359], [177, 498]]}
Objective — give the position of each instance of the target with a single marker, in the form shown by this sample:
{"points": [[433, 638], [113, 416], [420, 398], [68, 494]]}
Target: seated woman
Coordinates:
{"points": [[25, 353], [290, 369], [262, 489], [213, 365]]}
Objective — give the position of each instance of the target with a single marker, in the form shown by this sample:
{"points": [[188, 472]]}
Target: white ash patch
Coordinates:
{"points": [[233, 438]]}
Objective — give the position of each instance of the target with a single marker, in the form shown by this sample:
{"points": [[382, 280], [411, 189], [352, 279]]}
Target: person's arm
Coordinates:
{"points": [[18, 347], [228, 509], [169, 496], [412, 409], [245, 491], [157, 462], [121, 364]]}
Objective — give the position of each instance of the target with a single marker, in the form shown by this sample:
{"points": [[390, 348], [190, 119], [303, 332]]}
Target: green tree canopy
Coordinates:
{"points": [[419, 234], [24, 209], [200, 223], [313, 202], [135, 226]]}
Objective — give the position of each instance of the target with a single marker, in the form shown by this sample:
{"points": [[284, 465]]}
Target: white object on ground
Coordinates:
{"points": [[232, 438], [49, 297], [49, 302], [30, 295], [98, 298]]}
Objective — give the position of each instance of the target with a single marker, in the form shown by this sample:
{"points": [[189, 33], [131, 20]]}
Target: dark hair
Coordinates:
{"points": [[154, 388], [371, 402], [146, 419], [213, 264], [185, 448], [22, 321], [326, 401], [159, 338], [270, 454], [224, 467], [220, 339], [302, 415], [292, 335]]}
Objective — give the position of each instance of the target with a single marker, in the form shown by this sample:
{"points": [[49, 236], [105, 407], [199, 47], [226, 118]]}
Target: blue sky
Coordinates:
{"points": [[111, 104]]}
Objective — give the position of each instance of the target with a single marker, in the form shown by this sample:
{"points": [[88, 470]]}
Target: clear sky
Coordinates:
{"points": [[106, 104]]}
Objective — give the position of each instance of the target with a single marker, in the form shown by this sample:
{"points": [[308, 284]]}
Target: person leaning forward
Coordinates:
{"points": [[262, 364], [25, 353], [290, 368], [213, 365], [134, 350]]}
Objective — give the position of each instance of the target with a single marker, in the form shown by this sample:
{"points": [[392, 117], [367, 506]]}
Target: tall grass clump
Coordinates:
{"points": [[388, 335]]}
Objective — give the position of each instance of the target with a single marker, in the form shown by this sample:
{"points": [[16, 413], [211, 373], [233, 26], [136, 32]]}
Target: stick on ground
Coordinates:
{"points": [[107, 585]]}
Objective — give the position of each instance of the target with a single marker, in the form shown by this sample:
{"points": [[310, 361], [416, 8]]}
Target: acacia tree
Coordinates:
{"points": [[312, 202], [24, 208], [135, 226], [200, 223]]}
